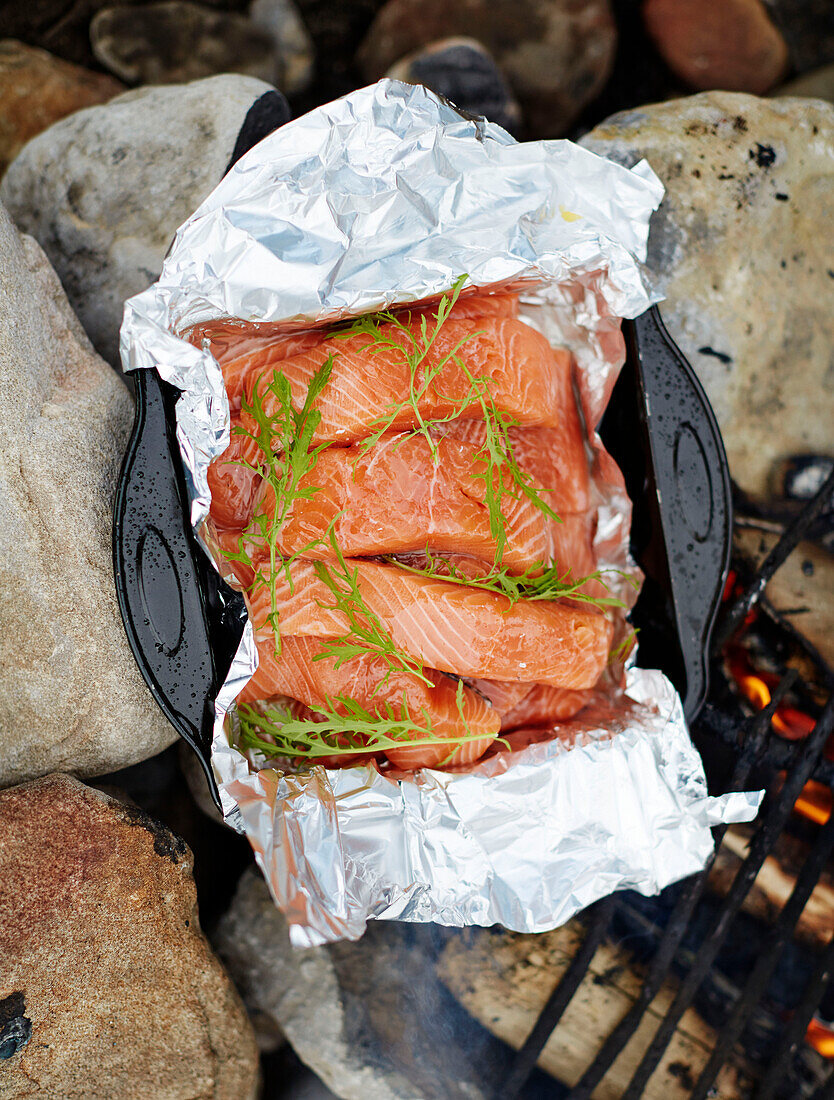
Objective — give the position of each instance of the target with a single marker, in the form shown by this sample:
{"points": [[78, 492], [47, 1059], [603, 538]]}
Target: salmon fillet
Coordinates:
{"points": [[461, 630], [398, 497], [522, 374], [554, 458], [296, 673], [544, 705], [232, 480], [239, 347]]}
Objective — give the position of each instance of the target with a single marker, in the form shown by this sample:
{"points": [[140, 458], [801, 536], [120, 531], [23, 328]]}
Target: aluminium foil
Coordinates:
{"points": [[386, 197]]}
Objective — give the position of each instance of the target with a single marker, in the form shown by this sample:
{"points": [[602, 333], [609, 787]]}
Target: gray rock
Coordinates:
{"points": [[101, 943], [71, 696], [176, 41], [293, 50], [370, 1018], [464, 72], [741, 249], [556, 54], [105, 190], [818, 84]]}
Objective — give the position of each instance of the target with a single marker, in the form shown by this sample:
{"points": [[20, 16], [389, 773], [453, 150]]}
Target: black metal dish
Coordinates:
{"points": [[184, 623]]}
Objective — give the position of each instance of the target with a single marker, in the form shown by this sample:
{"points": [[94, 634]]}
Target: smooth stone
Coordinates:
{"points": [[818, 84], [105, 190], [100, 936], [71, 695], [37, 89], [740, 249], [176, 41], [370, 1018], [293, 50], [464, 72], [731, 45], [556, 54]]}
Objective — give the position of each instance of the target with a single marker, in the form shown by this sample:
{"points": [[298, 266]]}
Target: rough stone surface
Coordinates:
{"points": [[370, 1018], [36, 89], [741, 249], [818, 84], [176, 41], [99, 935], [556, 54], [293, 50], [464, 72], [105, 190], [731, 45], [71, 696]]}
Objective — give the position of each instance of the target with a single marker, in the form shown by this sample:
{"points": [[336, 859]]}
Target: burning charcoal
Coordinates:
{"points": [[748, 187], [104, 191], [461, 70], [730, 45], [556, 57], [36, 89], [122, 993], [176, 41], [71, 696]]}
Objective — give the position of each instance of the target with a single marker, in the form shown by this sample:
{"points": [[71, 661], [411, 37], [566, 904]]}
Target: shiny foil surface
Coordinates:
{"points": [[385, 197]]}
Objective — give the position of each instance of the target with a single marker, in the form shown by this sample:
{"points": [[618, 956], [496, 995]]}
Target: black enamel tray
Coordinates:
{"points": [[184, 623]]}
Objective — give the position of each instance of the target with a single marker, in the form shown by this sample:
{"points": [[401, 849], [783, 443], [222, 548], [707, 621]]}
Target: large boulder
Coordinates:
{"points": [[104, 191], [37, 89], [71, 696], [740, 249], [115, 992]]}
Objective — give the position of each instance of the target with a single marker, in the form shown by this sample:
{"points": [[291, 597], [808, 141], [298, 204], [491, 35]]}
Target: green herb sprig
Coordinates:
{"points": [[351, 730], [532, 584]]}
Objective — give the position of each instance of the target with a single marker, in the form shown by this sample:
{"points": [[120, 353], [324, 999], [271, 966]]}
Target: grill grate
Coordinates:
{"points": [[801, 760]]}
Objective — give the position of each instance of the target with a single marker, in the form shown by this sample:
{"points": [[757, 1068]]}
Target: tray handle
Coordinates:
{"points": [[158, 586]]}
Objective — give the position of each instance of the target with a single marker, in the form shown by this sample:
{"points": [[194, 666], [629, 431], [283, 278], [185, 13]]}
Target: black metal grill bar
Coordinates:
{"points": [[733, 617], [559, 1000], [826, 1089], [754, 744], [798, 1025], [772, 949], [806, 756]]}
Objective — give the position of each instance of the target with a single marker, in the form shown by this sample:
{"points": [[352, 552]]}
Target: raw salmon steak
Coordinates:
{"points": [[302, 672], [457, 629], [407, 493], [371, 382], [241, 348]]}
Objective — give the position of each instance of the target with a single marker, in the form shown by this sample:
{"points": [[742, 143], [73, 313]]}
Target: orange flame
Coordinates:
{"points": [[821, 1038], [816, 799]]}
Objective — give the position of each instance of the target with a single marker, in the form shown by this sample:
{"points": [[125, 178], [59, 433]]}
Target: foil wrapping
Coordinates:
{"points": [[386, 197]]}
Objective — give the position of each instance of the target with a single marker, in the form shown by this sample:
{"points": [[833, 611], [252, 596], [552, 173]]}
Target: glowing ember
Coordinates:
{"points": [[815, 802], [821, 1038]]}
